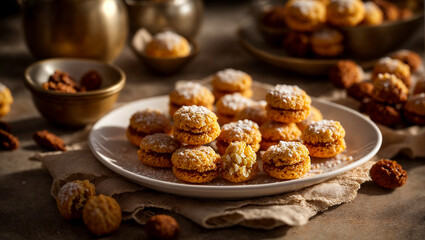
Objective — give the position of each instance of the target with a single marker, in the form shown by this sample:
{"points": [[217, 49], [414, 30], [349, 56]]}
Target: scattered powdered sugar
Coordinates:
{"points": [[335, 163], [287, 93], [322, 126], [241, 127], [189, 90], [68, 190], [305, 6], [343, 5], [230, 75], [370, 7], [193, 113], [390, 63], [148, 116], [199, 155], [235, 101], [168, 39], [290, 149], [161, 141]]}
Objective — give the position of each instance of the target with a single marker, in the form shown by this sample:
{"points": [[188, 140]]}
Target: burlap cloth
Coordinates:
{"points": [[294, 208]]}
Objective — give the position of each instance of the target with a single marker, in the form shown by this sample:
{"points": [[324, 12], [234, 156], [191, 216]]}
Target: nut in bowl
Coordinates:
{"points": [[164, 53], [62, 100]]}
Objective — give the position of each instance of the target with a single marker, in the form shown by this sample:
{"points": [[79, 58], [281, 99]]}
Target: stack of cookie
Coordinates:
{"points": [[230, 81]]}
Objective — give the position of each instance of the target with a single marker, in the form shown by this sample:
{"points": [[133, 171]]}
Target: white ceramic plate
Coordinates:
{"points": [[109, 144]]}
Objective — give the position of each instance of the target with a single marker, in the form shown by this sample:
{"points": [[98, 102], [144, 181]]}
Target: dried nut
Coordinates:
{"points": [[162, 227], [102, 215], [49, 140], [72, 198], [8, 141], [388, 174], [90, 81]]}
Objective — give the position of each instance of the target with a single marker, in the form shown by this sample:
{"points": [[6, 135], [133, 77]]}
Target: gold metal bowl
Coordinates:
{"points": [[74, 109], [164, 66]]}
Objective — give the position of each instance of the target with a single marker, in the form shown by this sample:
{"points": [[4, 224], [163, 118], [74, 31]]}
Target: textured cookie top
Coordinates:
{"points": [[231, 80], [324, 131], [194, 118], [345, 7], [239, 159], [168, 40], [5, 95], [373, 14], [274, 131], [416, 104], [242, 130], [326, 36], [74, 190], [256, 113], [288, 97], [191, 93], [198, 158], [160, 143], [150, 121], [286, 153], [231, 104], [304, 10], [315, 115], [389, 65], [168, 44], [388, 88]]}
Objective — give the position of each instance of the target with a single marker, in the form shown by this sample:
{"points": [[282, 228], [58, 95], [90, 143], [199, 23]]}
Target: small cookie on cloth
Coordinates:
{"points": [[156, 150], [190, 93], [243, 130], [147, 122], [412, 59], [393, 66], [230, 105], [345, 73], [167, 45], [414, 109], [324, 138], [345, 12], [315, 115], [287, 160], [373, 14], [381, 113], [360, 90], [256, 113], [239, 163], [230, 81], [273, 132], [387, 88], [327, 42], [195, 164], [102, 215], [72, 198], [305, 15], [287, 103], [195, 125], [6, 100]]}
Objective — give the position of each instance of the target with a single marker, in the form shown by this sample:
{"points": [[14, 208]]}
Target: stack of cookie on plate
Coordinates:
{"points": [[200, 145]]}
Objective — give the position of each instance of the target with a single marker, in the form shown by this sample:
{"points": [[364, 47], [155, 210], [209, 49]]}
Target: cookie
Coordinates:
{"points": [[305, 15], [195, 164], [6, 100], [287, 104], [195, 125], [414, 109], [273, 132], [286, 160], [389, 10], [8, 141], [381, 113], [315, 115], [324, 138], [345, 73], [256, 113], [387, 88], [229, 105], [167, 45], [190, 93], [388, 174], [393, 66], [274, 17], [373, 14], [239, 163], [49, 141], [419, 87], [327, 42], [156, 150], [230, 81], [72, 198], [90, 81], [243, 130], [360, 90], [412, 59], [162, 227], [147, 122], [102, 215], [345, 12], [297, 44]]}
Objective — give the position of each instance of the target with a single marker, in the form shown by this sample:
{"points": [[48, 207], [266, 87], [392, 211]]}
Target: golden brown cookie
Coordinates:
{"points": [[72, 198], [345, 73], [6, 100], [345, 12], [195, 164], [388, 174], [412, 59], [390, 11], [168, 45], [195, 125], [286, 160], [305, 15], [239, 163], [229, 81], [162, 227], [315, 115], [373, 14], [393, 66], [190, 93], [256, 113], [273, 132], [414, 109], [286, 104], [327, 42], [360, 90], [243, 130], [387, 88], [324, 138], [102, 215], [229, 105], [156, 150], [146, 122], [381, 113]]}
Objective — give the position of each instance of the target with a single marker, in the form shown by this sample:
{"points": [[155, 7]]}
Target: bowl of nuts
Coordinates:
{"points": [[74, 92]]}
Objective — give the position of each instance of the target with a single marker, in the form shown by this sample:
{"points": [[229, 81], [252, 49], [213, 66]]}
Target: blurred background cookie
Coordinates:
{"points": [[305, 15], [345, 12], [167, 45], [327, 42], [6, 100]]}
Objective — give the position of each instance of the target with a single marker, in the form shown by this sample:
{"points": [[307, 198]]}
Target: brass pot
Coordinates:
{"points": [[181, 16], [94, 29]]}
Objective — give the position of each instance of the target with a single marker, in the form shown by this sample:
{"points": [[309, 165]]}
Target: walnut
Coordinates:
{"points": [[102, 215], [388, 174], [72, 198], [162, 227], [49, 140], [8, 141]]}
